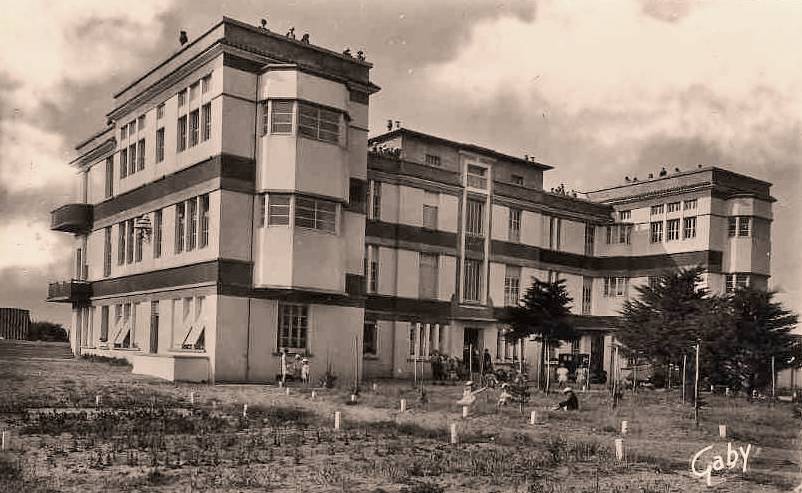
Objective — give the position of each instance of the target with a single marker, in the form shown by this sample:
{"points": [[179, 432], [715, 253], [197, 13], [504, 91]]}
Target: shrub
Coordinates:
{"points": [[47, 331]]}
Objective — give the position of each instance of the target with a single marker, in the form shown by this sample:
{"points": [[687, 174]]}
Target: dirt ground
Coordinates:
{"points": [[151, 435]]}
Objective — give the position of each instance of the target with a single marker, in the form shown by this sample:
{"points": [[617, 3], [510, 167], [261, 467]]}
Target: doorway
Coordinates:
{"points": [[471, 343]]}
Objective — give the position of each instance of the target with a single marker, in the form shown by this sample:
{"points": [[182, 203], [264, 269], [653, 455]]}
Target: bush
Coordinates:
{"points": [[94, 358], [47, 331]]}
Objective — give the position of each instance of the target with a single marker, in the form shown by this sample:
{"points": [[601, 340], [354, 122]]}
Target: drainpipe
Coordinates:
{"points": [[253, 227]]}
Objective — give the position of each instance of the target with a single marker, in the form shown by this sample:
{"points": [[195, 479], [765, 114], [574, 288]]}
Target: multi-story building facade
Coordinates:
{"points": [[232, 209]]}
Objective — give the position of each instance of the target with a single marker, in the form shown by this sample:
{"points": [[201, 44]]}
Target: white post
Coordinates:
{"points": [[287, 391], [244, 410], [375, 387], [624, 427], [192, 397], [337, 417], [454, 436], [533, 418], [403, 405], [437, 337], [464, 411], [3, 443], [619, 449], [722, 431], [97, 400], [314, 394], [353, 397], [417, 352]]}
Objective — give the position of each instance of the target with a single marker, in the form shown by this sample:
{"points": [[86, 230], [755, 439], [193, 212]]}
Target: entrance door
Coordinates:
{"points": [[154, 327], [471, 343], [597, 353]]}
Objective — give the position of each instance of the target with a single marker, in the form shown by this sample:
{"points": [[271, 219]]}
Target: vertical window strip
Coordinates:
{"points": [[192, 223], [158, 221], [206, 118], [160, 145], [129, 257], [179, 227], [107, 251], [204, 221]]}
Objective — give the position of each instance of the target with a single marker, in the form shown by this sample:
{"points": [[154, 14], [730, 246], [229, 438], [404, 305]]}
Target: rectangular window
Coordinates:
{"points": [[121, 243], [590, 238], [673, 206], [160, 111], [624, 215], [657, 209], [182, 98], [158, 221], [477, 177], [192, 223], [193, 91], [413, 339], [587, 295], [107, 251], [656, 232], [689, 227], [690, 204], [123, 163], [611, 236], [375, 200], [132, 159], [293, 327], [318, 123], [512, 285], [315, 214], [179, 227], [181, 134], [206, 83], [742, 280], [654, 282], [373, 268], [743, 226], [139, 244], [432, 160], [473, 280], [278, 209], [141, 154], [104, 323], [129, 257], [624, 233], [475, 218], [132, 128], [729, 280], [206, 118], [160, 145], [615, 286], [428, 276], [732, 226], [555, 233], [514, 225], [203, 240], [109, 176], [123, 132], [430, 216], [370, 338], [141, 122], [672, 229], [280, 117], [262, 209], [194, 122], [517, 180]]}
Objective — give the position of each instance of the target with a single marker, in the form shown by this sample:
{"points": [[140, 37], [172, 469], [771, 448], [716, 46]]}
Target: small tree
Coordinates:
{"points": [[543, 312], [761, 330]]}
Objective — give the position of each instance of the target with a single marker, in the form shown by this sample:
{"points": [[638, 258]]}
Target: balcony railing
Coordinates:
{"points": [[72, 291], [72, 218]]}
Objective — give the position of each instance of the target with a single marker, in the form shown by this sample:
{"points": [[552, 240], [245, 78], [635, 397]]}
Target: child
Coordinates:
{"points": [[305, 371]]}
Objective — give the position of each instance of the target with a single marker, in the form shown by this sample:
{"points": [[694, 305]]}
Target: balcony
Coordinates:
{"points": [[72, 218], [73, 291]]}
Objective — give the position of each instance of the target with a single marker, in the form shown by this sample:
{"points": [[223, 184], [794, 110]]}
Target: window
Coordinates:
{"points": [[370, 338], [736, 281], [129, 257], [141, 122], [193, 91], [477, 177], [104, 323], [375, 200], [318, 123], [474, 218], [206, 83], [742, 280], [672, 229], [204, 221], [732, 226], [514, 225], [555, 233], [430, 216], [624, 215], [512, 285], [160, 111], [132, 128], [473, 280], [293, 327], [158, 221], [182, 98], [373, 269], [517, 180], [123, 163], [132, 159], [123, 132], [181, 133], [505, 348], [141, 154], [109, 176], [615, 287], [206, 132], [656, 230], [432, 160], [179, 227], [413, 339], [279, 209], [280, 116], [657, 209], [743, 226], [654, 282], [121, 243], [590, 238], [674, 206], [729, 283], [107, 251], [624, 233], [689, 227], [315, 214], [139, 243], [194, 122], [192, 223], [587, 295], [428, 276], [690, 204], [160, 145]]}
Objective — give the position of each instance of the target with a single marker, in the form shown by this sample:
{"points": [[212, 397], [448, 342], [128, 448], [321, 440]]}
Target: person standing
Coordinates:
{"points": [[305, 371], [562, 375], [283, 366]]}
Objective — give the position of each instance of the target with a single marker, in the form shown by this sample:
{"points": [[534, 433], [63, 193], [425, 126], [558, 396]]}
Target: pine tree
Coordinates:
{"points": [[544, 312]]}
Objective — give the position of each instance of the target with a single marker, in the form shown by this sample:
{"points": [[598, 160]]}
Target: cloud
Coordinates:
{"points": [[27, 244]]}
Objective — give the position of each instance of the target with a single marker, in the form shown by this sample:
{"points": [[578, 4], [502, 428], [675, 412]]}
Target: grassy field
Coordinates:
{"points": [[148, 436]]}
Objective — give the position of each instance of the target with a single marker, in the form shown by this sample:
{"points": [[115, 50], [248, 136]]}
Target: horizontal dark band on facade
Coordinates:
{"points": [[410, 234], [235, 173]]}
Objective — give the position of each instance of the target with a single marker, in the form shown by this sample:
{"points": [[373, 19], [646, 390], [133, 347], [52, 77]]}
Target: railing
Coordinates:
{"points": [[72, 218], [72, 291]]}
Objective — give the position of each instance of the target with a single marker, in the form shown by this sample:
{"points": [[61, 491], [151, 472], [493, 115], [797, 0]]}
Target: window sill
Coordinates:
{"points": [[419, 359], [187, 351], [129, 349], [370, 357], [292, 352]]}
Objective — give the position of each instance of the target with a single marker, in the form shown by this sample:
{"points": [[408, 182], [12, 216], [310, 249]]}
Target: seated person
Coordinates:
{"points": [[571, 403], [505, 397]]}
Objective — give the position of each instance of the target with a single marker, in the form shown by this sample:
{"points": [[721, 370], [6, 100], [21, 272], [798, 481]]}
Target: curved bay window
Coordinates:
{"points": [[312, 121]]}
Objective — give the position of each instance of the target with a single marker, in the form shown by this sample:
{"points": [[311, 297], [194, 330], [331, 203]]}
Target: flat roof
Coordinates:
{"points": [[703, 169], [462, 145]]}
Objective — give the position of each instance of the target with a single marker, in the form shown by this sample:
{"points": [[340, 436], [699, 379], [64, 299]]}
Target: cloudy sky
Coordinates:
{"points": [[597, 89]]}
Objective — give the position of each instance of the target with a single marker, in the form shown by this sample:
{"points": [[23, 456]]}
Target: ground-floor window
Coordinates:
{"points": [[293, 327], [370, 338]]}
